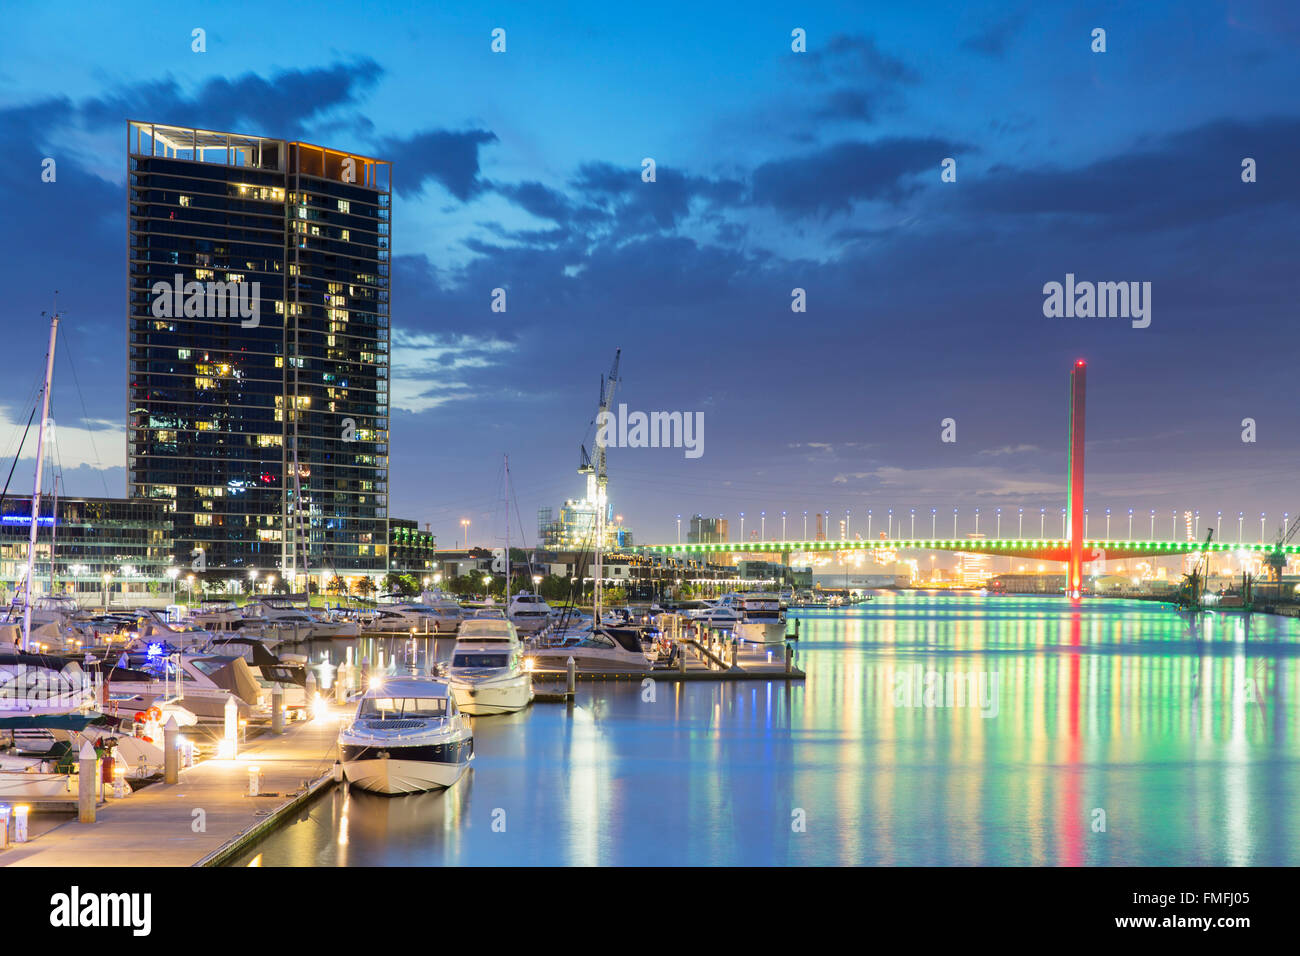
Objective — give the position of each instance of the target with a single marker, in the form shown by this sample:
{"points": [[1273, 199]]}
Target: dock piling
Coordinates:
{"points": [[87, 776], [277, 709], [789, 659], [571, 683], [171, 751]]}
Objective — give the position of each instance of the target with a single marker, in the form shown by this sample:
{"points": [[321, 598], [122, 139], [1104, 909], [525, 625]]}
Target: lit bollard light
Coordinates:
{"points": [[20, 823], [228, 749], [254, 780], [4, 826]]}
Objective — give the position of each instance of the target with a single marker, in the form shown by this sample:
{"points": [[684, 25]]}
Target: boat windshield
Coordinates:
{"points": [[404, 707], [481, 660]]}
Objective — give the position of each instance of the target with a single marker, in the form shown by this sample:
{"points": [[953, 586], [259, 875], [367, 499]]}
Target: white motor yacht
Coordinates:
{"points": [[217, 616], [594, 651], [290, 622], [445, 607], [762, 619], [487, 673], [407, 736], [528, 612], [408, 617]]}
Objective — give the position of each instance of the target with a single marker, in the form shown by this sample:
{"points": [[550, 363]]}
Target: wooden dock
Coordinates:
{"points": [[702, 662], [207, 817]]}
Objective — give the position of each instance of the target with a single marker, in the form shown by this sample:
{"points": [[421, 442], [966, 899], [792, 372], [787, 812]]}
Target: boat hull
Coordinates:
{"points": [[589, 663], [493, 697], [761, 631], [410, 769]]}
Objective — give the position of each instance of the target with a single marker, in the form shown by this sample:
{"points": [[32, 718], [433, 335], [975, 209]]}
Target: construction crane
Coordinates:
{"points": [[597, 477], [1276, 559], [1195, 580]]}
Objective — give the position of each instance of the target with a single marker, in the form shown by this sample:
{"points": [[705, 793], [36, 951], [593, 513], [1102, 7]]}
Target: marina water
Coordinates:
{"points": [[1106, 733]]}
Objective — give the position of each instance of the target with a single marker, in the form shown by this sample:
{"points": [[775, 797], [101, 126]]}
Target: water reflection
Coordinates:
{"points": [[932, 729]]}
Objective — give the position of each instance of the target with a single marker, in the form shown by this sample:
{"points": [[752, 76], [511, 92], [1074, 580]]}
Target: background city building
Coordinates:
{"points": [[267, 443]]}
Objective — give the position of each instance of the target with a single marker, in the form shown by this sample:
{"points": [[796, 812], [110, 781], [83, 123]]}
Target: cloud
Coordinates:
{"points": [[831, 179], [428, 367], [448, 158], [284, 103], [994, 38], [1186, 178]]}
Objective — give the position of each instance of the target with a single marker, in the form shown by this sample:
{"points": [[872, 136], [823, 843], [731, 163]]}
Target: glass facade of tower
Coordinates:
{"points": [[258, 348]]}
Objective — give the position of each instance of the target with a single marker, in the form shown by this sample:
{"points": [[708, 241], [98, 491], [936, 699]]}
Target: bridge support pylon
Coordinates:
{"points": [[1074, 502]]}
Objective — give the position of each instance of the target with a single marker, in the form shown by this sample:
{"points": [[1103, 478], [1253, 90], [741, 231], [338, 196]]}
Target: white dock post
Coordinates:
{"points": [[571, 684], [338, 772], [87, 777], [311, 692], [789, 659], [340, 689], [277, 709], [230, 737], [20, 823], [171, 751]]}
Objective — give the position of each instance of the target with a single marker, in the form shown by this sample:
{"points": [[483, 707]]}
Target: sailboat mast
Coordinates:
{"points": [[507, 459], [36, 492]]}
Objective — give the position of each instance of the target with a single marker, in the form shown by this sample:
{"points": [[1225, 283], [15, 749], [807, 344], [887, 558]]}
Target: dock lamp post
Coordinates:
{"points": [[173, 573]]}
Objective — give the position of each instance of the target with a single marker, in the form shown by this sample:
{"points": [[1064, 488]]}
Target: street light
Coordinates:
{"points": [[999, 524], [464, 527], [805, 526], [1042, 524], [782, 525], [252, 581], [868, 522], [173, 573], [954, 522], [1107, 524], [1153, 524], [934, 516], [762, 529], [679, 529], [107, 577], [912, 533], [742, 526], [1130, 524], [1020, 529]]}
